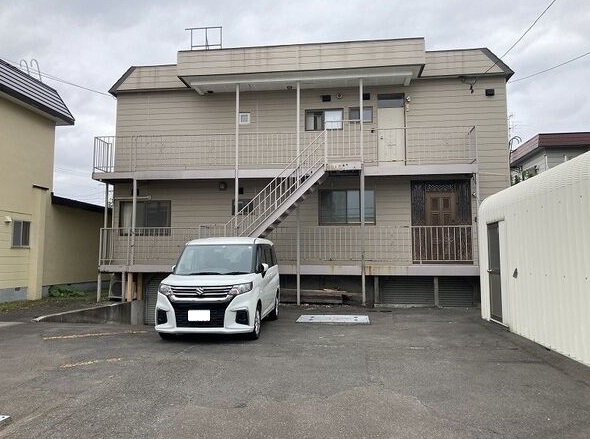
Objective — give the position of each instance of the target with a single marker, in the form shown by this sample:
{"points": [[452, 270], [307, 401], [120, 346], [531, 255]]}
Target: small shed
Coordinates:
{"points": [[535, 258]]}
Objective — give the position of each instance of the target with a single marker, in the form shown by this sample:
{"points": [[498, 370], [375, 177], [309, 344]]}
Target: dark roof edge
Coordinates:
{"points": [[66, 118], [75, 204], [122, 79]]}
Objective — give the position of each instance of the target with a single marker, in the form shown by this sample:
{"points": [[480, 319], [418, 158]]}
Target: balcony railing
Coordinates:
{"points": [[394, 245], [428, 145]]}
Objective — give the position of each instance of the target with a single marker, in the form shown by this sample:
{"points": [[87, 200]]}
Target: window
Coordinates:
{"points": [[151, 214], [319, 120], [344, 207], [354, 114], [21, 231], [244, 118], [242, 202], [390, 100]]}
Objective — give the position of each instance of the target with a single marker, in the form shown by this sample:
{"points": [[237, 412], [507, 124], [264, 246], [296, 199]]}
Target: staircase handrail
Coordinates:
{"points": [[275, 193]]}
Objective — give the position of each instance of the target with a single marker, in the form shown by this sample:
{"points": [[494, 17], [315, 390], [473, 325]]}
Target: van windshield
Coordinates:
{"points": [[216, 259]]}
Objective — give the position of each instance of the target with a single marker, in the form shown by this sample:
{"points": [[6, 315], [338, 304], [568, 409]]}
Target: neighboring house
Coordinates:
{"points": [[545, 151], [37, 231], [385, 208]]}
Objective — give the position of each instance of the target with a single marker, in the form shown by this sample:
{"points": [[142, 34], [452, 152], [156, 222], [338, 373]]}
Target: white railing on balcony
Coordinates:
{"points": [[394, 245], [424, 145]]}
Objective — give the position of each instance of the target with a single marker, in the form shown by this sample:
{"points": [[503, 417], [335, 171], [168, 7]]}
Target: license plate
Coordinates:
{"points": [[199, 315]]}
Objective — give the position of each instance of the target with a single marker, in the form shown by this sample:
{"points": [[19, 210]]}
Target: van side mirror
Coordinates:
{"points": [[262, 268], [173, 268]]}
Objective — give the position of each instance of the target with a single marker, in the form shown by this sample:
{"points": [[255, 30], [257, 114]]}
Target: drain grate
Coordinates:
{"points": [[335, 319]]}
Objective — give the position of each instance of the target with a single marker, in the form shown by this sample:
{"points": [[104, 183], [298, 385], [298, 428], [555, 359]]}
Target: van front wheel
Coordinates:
{"points": [[274, 314], [257, 323]]}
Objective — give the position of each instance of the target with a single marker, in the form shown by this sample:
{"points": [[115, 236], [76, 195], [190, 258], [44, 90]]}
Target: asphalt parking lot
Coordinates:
{"points": [[411, 373]]}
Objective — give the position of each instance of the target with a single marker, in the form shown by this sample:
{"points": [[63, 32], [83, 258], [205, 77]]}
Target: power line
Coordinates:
{"points": [[550, 68], [516, 42], [527, 31], [63, 81]]}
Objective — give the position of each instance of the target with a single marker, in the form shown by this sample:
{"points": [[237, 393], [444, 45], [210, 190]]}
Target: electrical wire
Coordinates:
{"points": [[55, 78], [515, 43], [550, 68]]}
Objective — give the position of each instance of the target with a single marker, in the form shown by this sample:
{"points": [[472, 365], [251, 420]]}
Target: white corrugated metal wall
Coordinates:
{"points": [[544, 225]]}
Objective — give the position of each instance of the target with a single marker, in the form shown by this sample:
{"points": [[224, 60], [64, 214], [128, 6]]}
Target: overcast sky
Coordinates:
{"points": [[92, 43]]}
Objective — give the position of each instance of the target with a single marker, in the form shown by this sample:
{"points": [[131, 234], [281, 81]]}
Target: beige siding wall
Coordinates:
{"points": [[71, 245], [151, 78], [448, 102], [458, 62], [26, 142], [302, 57], [14, 263], [26, 151]]}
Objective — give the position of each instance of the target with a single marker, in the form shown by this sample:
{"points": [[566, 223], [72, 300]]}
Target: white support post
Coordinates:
{"points": [[236, 167], [362, 195], [133, 223], [298, 131]]}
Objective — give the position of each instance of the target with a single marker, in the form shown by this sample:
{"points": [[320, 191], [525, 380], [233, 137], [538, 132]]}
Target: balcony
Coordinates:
{"points": [[122, 155], [157, 249]]}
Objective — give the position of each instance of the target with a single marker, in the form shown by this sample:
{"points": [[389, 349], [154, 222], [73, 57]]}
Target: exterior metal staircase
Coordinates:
{"points": [[282, 195]]}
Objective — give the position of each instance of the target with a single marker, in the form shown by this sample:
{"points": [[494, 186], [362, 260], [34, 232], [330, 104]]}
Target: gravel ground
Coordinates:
{"points": [[27, 310]]}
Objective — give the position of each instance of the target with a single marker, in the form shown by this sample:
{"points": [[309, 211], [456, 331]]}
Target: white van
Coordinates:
{"points": [[220, 286]]}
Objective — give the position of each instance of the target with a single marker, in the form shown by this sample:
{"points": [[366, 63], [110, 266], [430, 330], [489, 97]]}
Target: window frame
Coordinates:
{"points": [[24, 234], [353, 119], [321, 113], [349, 220], [142, 218]]}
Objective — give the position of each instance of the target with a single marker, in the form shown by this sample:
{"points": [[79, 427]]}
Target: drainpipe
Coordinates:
{"points": [[236, 180], [362, 192], [298, 131]]}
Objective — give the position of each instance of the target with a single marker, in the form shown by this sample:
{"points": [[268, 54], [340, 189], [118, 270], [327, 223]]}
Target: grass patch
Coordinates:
{"points": [[59, 291]]}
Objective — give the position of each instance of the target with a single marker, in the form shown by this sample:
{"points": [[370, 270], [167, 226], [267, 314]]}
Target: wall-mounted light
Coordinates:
{"points": [[7, 219], [222, 185]]}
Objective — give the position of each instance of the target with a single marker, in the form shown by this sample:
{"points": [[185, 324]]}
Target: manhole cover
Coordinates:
{"points": [[335, 319]]}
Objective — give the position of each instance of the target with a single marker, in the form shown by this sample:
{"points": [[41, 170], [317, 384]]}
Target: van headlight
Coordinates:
{"points": [[165, 289], [240, 289]]}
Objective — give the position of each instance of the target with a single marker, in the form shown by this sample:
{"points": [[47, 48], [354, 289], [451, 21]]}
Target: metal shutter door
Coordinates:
{"points": [[456, 291], [150, 295], [407, 290]]}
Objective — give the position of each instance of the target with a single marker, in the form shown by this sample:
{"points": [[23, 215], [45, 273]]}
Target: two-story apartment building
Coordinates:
{"points": [[385, 207]]}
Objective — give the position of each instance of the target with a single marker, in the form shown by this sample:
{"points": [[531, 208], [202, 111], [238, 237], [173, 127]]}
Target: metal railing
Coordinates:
{"points": [[406, 146], [394, 245], [432, 244]]}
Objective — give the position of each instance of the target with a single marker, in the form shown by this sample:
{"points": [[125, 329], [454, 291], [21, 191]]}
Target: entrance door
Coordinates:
{"points": [[494, 272], [391, 121], [441, 212]]}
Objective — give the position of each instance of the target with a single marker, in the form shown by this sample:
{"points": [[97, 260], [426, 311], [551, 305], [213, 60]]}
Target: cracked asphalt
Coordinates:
{"points": [[411, 373]]}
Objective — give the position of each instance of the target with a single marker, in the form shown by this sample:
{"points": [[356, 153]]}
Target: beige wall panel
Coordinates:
{"points": [[458, 62], [71, 245], [17, 151], [448, 102], [152, 78], [301, 57]]}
